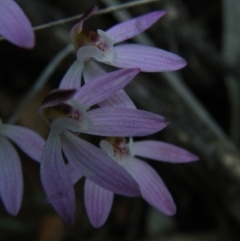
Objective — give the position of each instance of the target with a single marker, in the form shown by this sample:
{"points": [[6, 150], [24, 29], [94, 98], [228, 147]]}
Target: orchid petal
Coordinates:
{"points": [[108, 121], [108, 41], [148, 59], [98, 203], [27, 140], [120, 99], [75, 174], [161, 151], [97, 166], [59, 125], [93, 70], [104, 86], [14, 25], [107, 148], [11, 180], [86, 52], [72, 79], [56, 179], [152, 187], [133, 27]]}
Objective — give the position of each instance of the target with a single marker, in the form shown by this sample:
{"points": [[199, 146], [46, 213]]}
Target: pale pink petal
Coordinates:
{"points": [[86, 52], [104, 86], [56, 179], [97, 166], [152, 187], [93, 70], [108, 121], [161, 151], [59, 125], [27, 140], [120, 99], [75, 174], [14, 25], [148, 59], [107, 147], [133, 27], [98, 203], [11, 180], [72, 79]]}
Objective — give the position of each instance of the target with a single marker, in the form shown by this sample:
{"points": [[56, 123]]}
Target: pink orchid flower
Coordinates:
{"points": [[101, 46], [14, 25], [67, 113], [98, 201], [11, 179]]}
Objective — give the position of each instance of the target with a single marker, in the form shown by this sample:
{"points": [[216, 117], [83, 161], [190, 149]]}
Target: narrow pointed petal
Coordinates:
{"points": [[56, 179], [133, 27], [11, 180], [93, 70], [148, 59], [108, 121], [98, 203], [14, 25], [152, 187], [161, 151], [104, 86], [72, 79], [120, 99], [75, 174], [27, 140], [97, 166]]}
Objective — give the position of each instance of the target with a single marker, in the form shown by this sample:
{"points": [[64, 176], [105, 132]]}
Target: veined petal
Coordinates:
{"points": [[120, 99], [161, 151], [14, 25], [152, 187], [93, 70], [133, 27], [56, 179], [75, 174], [104, 86], [97, 166], [148, 59], [27, 140], [98, 203], [11, 180], [108, 121], [72, 79]]}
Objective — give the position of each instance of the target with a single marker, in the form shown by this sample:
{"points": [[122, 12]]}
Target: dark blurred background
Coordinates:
{"points": [[201, 102]]}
